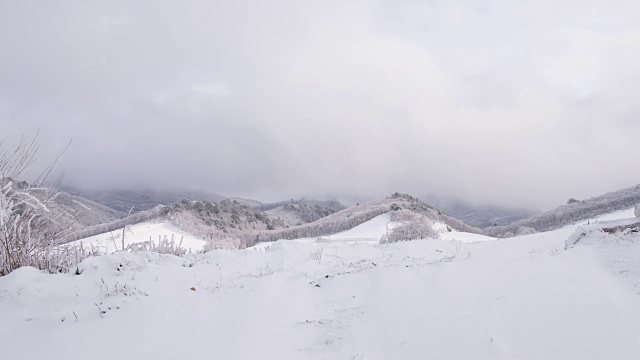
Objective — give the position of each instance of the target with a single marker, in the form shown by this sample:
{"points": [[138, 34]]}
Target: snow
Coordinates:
{"points": [[374, 229], [142, 232], [368, 232], [465, 237], [371, 230], [459, 297], [622, 214]]}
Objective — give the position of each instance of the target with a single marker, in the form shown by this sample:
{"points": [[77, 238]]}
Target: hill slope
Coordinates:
{"points": [[298, 212], [570, 213], [85, 213], [351, 217]]}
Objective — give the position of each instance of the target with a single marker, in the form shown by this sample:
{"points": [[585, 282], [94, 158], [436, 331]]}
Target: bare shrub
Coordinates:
{"points": [[164, 246], [28, 228], [316, 255]]}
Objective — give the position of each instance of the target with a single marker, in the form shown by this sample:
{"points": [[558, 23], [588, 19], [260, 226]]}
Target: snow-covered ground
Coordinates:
{"points": [[155, 231], [456, 298]]}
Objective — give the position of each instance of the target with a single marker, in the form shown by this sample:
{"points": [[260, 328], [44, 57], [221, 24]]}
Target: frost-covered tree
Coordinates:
{"points": [[410, 231], [28, 228], [637, 210], [415, 226]]}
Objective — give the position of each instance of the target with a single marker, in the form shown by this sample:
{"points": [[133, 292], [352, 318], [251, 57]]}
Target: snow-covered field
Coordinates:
{"points": [[155, 231], [463, 297]]}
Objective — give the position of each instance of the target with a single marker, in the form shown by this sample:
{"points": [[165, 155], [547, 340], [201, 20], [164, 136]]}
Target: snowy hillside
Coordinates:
{"points": [[353, 216], [85, 212], [222, 224], [298, 212], [231, 224], [461, 297], [155, 231], [573, 211]]}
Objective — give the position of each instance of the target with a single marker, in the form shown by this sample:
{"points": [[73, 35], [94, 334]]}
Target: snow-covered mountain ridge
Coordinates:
{"points": [[572, 212], [230, 224]]}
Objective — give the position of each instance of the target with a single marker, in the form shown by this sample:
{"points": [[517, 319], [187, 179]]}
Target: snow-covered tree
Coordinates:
{"points": [[410, 231], [28, 228]]}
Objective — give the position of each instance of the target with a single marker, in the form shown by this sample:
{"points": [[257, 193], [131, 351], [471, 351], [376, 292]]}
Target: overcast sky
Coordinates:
{"points": [[521, 103]]}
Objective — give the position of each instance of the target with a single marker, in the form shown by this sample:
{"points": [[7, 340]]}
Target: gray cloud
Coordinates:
{"points": [[493, 101]]}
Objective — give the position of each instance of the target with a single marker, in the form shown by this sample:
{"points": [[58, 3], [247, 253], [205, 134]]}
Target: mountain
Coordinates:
{"points": [[573, 211], [140, 200], [84, 212], [298, 212], [224, 224], [479, 216], [62, 213], [353, 216], [232, 224]]}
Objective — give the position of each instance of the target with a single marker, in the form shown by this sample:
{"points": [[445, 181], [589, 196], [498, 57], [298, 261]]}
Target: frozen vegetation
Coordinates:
{"points": [[154, 232]]}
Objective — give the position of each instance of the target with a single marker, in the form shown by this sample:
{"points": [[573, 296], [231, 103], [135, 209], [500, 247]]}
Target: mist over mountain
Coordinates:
{"points": [[144, 199], [481, 216]]}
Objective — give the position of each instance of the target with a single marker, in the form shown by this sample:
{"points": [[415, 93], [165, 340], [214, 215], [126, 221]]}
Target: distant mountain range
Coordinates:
{"points": [[236, 222], [123, 200], [232, 224], [479, 216], [81, 212]]}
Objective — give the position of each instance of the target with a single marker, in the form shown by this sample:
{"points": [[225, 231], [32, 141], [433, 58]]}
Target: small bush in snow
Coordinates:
{"points": [[637, 210], [316, 255]]}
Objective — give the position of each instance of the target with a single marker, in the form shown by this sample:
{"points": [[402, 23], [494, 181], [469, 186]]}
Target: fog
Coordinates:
{"points": [[502, 102]]}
